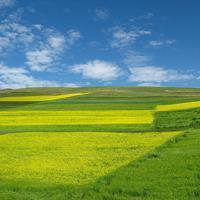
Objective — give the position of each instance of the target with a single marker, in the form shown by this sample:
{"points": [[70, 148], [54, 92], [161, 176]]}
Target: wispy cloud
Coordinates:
{"points": [[159, 43], [97, 70], [47, 54], [132, 58], [145, 16], [14, 34], [123, 38], [72, 36], [57, 42], [102, 13], [43, 47], [6, 3]]}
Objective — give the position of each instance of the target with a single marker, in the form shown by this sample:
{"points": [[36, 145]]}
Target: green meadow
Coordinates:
{"points": [[100, 143]]}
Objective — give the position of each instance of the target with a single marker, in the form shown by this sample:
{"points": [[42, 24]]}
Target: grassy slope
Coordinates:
{"points": [[102, 98], [173, 120], [170, 172]]}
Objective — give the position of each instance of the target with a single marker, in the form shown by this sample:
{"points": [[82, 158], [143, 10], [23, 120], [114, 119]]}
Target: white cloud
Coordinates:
{"points": [[102, 13], [38, 26], [6, 3], [14, 35], [18, 77], [135, 59], [122, 38], [43, 47], [97, 69], [47, 55], [57, 42], [156, 75], [4, 43], [40, 60], [158, 43]]}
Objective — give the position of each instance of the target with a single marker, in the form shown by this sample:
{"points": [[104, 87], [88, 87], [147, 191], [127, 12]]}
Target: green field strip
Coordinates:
{"points": [[174, 120], [73, 105], [131, 128], [14, 105]]}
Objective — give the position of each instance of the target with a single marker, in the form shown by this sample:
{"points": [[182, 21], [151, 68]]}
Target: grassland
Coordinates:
{"points": [[99, 143]]}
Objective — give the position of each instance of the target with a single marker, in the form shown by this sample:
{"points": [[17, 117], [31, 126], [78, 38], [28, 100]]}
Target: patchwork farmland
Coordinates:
{"points": [[100, 143]]}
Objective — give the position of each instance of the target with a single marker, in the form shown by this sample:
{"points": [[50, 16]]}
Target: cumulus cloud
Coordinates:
{"points": [[102, 13], [97, 70], [18, 77], [40, 60], [156, 75], [123, 38], [6, 3]]}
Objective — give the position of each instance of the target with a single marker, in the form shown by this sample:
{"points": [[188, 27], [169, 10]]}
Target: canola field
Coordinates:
{"points": [[11, 118], [99, 143], [71, 158], [38, 98], [179, 106]]}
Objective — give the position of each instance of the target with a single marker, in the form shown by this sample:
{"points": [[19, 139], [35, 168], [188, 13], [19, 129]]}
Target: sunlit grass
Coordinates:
{"points": [[71, 158], [39, 98], [178, 106], [75, 117]]}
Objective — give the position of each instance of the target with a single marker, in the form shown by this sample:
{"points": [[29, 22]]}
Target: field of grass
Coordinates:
{"points": [[180, 119], [99, 143]]}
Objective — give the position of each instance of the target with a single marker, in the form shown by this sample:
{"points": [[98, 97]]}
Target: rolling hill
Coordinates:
{"points": [[100, 143]]}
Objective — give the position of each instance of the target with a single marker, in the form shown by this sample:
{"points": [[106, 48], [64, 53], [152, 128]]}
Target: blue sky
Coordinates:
{"points": [[97, 43]]}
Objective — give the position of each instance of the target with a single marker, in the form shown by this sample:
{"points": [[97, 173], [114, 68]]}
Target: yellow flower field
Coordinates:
{"points": [[71, 158], [39, 98], [75, 117], [178, 106]]}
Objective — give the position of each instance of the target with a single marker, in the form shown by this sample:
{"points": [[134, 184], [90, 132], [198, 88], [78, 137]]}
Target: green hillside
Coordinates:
{"points": [[100, 143]]}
